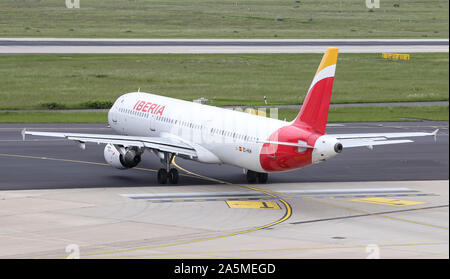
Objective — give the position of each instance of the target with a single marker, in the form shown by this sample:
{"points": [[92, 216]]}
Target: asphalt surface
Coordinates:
{"points": [[80, 45], [46, 163], [230, 42]]}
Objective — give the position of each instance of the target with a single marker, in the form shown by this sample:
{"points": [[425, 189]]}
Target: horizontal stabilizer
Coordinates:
{"points": [[371, 139], [368, 143], [383, 135]]}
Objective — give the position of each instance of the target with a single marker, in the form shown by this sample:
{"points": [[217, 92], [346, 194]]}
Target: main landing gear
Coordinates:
{"points": [[167, 174], [260, 177]]}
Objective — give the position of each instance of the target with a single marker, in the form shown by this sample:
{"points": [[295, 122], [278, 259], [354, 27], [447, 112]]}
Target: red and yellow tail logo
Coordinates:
{"points": [[314, 111]]}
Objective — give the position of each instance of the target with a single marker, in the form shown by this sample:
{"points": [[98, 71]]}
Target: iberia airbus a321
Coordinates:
{"points": [[170, 127]]}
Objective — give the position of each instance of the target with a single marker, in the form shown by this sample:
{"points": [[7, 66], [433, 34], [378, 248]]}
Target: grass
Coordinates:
{"points": [[225, 19], [86, 81], [347, 114], [53, 117]]}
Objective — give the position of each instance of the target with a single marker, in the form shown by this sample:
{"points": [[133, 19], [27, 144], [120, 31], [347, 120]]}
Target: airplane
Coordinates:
{"points": [[171, 127]]}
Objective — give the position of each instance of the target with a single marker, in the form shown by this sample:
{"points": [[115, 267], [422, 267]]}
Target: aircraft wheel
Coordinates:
{"points": [[251, 176], [173, 176], [262, 177], [162, 176]]}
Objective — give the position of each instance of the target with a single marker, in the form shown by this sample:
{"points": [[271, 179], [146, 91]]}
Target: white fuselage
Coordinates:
{"points": [[221, 135]]}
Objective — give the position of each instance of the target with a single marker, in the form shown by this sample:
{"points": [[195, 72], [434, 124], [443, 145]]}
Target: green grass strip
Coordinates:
{"points": [[94, 81], [348, 114]]}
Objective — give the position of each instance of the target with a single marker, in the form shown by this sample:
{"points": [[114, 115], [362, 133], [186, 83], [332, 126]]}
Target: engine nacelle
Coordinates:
{"points": [[124, 159], [325, 148]]}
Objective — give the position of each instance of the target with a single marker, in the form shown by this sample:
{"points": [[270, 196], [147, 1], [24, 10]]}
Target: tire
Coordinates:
{"points": [[251, 176], [263, 177], [173, 176], [162, 176]]}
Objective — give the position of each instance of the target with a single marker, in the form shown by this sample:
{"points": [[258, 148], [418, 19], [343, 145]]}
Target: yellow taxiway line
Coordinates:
{"points": [[276, 195], [270, 193], [284, 218]]}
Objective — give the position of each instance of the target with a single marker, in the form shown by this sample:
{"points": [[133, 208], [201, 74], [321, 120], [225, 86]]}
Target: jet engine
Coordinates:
{"points": [[325, 148], [122, 158]]}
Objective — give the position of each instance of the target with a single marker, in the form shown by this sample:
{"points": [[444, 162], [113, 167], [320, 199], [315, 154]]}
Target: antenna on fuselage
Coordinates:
{"points": [[139, 90]]}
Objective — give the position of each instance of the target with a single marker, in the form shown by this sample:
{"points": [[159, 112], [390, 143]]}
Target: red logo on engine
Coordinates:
{"points": [[149, 107]]}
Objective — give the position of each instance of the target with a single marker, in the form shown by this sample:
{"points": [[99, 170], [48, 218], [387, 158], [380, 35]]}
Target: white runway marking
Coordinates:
{"points": [[252, 193]]}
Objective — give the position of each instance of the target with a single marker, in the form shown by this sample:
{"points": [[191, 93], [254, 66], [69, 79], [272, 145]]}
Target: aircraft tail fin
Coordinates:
{"points": [[314, 111]]}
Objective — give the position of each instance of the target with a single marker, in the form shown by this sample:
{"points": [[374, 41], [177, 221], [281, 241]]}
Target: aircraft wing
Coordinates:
{"points": [[155, 143], [371, 139]]}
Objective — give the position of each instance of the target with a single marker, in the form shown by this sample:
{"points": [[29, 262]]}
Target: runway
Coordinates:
{"points": [[80, 45], [391, 200], [421, 160]]}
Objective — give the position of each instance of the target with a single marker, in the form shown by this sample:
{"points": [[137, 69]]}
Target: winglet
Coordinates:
{"points": [[434, 134], [23, 133], [81, 144]]}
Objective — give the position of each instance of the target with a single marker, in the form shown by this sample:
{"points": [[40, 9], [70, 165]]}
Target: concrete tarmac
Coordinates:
{"points": [[58, 201]]}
